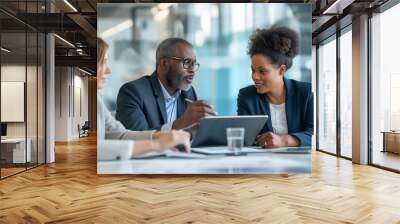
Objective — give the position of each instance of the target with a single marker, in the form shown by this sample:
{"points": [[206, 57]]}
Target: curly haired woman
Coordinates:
{"points": [[288, 103]]}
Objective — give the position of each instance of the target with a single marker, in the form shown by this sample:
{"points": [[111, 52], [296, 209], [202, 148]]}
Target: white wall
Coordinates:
{"points": [[33, 126], [61, 104], [14, 73], [17, 73], [80, 100], [71, 94]]}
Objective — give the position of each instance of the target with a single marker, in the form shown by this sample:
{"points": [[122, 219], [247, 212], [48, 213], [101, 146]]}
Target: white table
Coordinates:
{"points": [[19, 155], [252, 163]]}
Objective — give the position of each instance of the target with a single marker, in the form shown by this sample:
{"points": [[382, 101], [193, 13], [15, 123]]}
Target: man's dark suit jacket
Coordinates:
{"points": [[299, 108], [141, 105]]}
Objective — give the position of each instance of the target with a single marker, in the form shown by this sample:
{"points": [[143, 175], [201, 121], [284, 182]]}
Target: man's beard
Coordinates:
{"points": [[175, 80]]}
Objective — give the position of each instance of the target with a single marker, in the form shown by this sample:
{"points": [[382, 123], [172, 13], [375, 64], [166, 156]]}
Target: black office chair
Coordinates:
{"points": [[84, 130]]}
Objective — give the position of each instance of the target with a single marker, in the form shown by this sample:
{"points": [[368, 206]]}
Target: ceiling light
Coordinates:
{"points": [[65, 41], [337, 7], [163, 6], [86, 72], [154, 10], [116, 29], [161, 11], [5, 50], [329, 9], [161, 15], [71, 6]]}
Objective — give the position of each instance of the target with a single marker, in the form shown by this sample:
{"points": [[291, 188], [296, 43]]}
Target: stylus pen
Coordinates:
{"points": [[188, 100], [191, 101]]}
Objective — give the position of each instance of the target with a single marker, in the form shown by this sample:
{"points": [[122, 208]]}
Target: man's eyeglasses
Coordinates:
{"points": [[187, 63]]}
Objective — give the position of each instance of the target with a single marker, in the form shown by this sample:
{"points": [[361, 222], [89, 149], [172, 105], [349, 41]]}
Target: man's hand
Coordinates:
{"points": [[193, 114]]}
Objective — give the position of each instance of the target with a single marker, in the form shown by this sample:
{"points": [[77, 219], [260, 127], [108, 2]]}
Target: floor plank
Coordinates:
{"points": [[387, 159], [70, 191]]}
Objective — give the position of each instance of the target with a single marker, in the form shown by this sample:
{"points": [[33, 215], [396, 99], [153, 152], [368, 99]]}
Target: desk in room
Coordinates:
{"points": [[252, 163], [13, 150], [391, 141]]}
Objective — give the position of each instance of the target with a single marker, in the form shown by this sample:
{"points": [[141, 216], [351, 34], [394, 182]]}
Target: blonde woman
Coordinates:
{"points": [[114, 141]]}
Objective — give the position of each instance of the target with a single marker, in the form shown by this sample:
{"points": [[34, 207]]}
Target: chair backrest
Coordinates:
{"points": [[86, 125]]}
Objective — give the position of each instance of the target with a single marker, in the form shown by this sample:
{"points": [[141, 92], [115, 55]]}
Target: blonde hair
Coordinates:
{"points": [[102, 48]]}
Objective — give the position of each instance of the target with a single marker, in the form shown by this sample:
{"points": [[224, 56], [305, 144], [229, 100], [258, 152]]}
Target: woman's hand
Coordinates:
{"points": [[172, 139], [162, 141], [270, 140]]}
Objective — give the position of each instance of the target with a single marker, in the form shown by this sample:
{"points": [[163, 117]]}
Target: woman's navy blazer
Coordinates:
{"points": [[299, 107]]}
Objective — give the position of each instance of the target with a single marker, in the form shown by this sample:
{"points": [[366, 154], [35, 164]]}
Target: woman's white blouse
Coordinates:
{"points": [[114, 141], [278, 118]]}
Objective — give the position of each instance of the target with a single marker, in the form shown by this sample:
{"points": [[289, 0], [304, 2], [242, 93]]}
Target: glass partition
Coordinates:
{"points": [[13, 94], [31, 98], [22, 88], [385, 89], [327, 96], [346, 94]]}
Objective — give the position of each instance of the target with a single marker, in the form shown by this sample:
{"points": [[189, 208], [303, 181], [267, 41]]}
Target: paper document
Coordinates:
{"points": [[225, 150], [291, 150], [257, 149], [172, 154]]}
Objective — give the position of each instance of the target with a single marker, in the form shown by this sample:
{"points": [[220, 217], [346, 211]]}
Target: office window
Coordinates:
{"points": [[385, 88], [346, 94], [327, 96]]}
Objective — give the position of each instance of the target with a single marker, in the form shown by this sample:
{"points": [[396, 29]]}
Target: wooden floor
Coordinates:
{"points": [[5, 172], [70, 191], [387, 159]]}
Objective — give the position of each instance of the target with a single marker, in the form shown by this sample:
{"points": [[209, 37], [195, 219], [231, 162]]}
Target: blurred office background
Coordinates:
{"points": [[218, 32]]}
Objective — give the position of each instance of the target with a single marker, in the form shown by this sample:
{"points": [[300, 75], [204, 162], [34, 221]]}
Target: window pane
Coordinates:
{"points": [[346, 94], [385, 86], [327, 97]]}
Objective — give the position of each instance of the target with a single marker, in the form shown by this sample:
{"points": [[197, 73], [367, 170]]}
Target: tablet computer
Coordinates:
{"points": [[212, 130]]}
